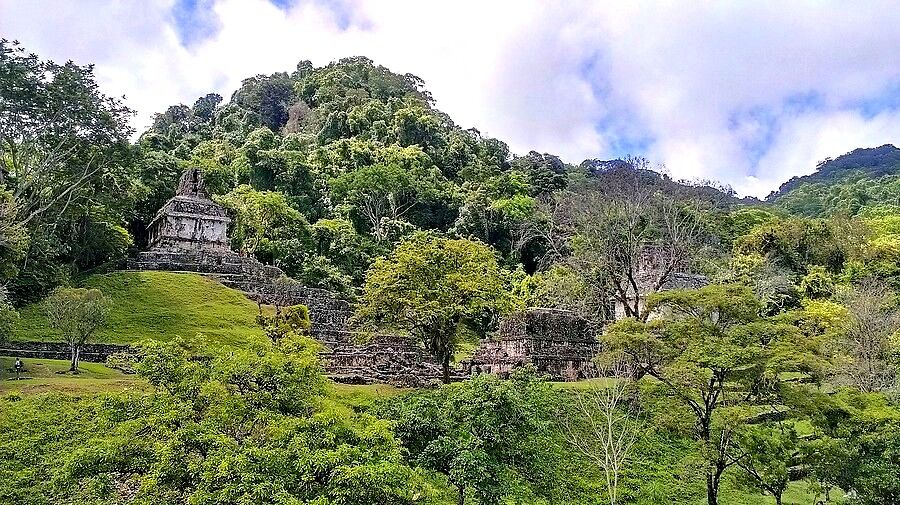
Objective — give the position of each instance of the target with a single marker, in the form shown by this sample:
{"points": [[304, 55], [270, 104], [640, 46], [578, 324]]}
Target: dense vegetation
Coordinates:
{"points": [[849, 184], [776, 382]]}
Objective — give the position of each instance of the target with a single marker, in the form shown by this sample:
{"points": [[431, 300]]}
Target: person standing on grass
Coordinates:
{"points": [[19, 367]]}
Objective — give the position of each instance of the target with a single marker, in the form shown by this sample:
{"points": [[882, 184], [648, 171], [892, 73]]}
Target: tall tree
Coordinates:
{"points": [[58, 133], [712, 351], [260, 218], [435, 288], [603, 424], [625, 237], [65, 170], [869, 343]]}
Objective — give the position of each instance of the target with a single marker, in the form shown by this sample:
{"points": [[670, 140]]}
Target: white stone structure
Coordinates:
{"points": [[190, 221]]}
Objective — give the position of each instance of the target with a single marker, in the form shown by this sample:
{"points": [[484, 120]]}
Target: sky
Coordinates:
{"points": [[744, 93]]}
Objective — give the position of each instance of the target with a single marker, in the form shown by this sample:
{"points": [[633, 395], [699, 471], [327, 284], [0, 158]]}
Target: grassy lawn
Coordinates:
{"points": [[600, 382], [43, 375], [160, 306], [360, 397], [797, 493]]}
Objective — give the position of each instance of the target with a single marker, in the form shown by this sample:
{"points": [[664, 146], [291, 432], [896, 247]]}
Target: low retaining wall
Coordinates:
{"points": [[95, 353]]}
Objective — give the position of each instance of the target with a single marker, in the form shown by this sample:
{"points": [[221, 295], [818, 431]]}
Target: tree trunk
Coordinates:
{"points": [[712, 489], [778, 499], [445, 365], [461, 496], [76, 356]]}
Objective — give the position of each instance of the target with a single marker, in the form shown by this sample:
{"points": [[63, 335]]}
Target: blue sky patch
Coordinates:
{"points": [[195, 21]]}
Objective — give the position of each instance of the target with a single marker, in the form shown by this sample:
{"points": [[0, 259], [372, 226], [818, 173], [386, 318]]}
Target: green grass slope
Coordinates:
{"points": [[160, 306]]}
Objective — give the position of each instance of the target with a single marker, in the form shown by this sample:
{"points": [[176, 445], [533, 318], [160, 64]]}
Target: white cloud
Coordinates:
{"points": [[708, 89]]}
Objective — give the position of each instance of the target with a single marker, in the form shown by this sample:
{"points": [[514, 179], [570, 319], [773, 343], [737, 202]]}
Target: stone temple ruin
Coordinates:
{"points": [[560, 344], [190, 234], [655, 274], [557, 343]]}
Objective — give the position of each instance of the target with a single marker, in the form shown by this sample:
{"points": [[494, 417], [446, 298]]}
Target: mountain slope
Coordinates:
{"points": [[865, 177], [870, 162]]}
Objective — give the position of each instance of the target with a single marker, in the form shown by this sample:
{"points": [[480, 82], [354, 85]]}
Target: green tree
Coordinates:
{"points": [[434, 288], [248, 425], [267, 98], [59, 136], [380, 194], [77, 313], [489, 437], [826, 460], [285, 322], [260, 217], [66, 164], [766, 454], [796, 244], [710, 349]]}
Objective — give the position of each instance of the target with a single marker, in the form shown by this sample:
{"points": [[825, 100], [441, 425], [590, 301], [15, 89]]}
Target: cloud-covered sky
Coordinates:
{"points": [[746, 93]]}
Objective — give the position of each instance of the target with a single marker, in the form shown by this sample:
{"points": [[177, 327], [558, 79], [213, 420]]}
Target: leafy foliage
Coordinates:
{"points": [[492, 439], [435, 288], [78, 314]]}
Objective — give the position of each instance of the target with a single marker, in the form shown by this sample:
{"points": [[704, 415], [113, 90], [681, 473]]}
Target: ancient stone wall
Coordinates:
{"points": [[94, 353], [558, 343]]}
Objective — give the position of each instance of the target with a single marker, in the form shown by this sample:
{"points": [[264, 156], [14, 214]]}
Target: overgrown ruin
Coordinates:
{"points": [[190, 234], [557, 343]]}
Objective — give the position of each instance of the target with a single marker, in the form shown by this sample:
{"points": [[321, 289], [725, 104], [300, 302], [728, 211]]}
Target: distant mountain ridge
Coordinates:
{"points": [[709, 191], [872, 162]]}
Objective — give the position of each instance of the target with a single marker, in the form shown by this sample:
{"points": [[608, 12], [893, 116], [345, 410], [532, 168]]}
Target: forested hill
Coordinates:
{"points": [[324, 169], [711, 192], [345, 159], [349, 158], [864, 177]]}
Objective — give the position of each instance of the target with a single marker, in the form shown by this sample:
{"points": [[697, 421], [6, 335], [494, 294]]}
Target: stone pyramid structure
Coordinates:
{"points": [[190, 234]]}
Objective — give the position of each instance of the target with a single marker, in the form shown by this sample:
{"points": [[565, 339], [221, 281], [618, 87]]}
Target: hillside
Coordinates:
{"points": [[160, 306], [865, 177], [869, 162]]}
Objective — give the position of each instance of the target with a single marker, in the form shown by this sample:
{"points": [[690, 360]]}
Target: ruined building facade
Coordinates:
{"points": [[560, 344], [557, 343], [655, 272]]}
